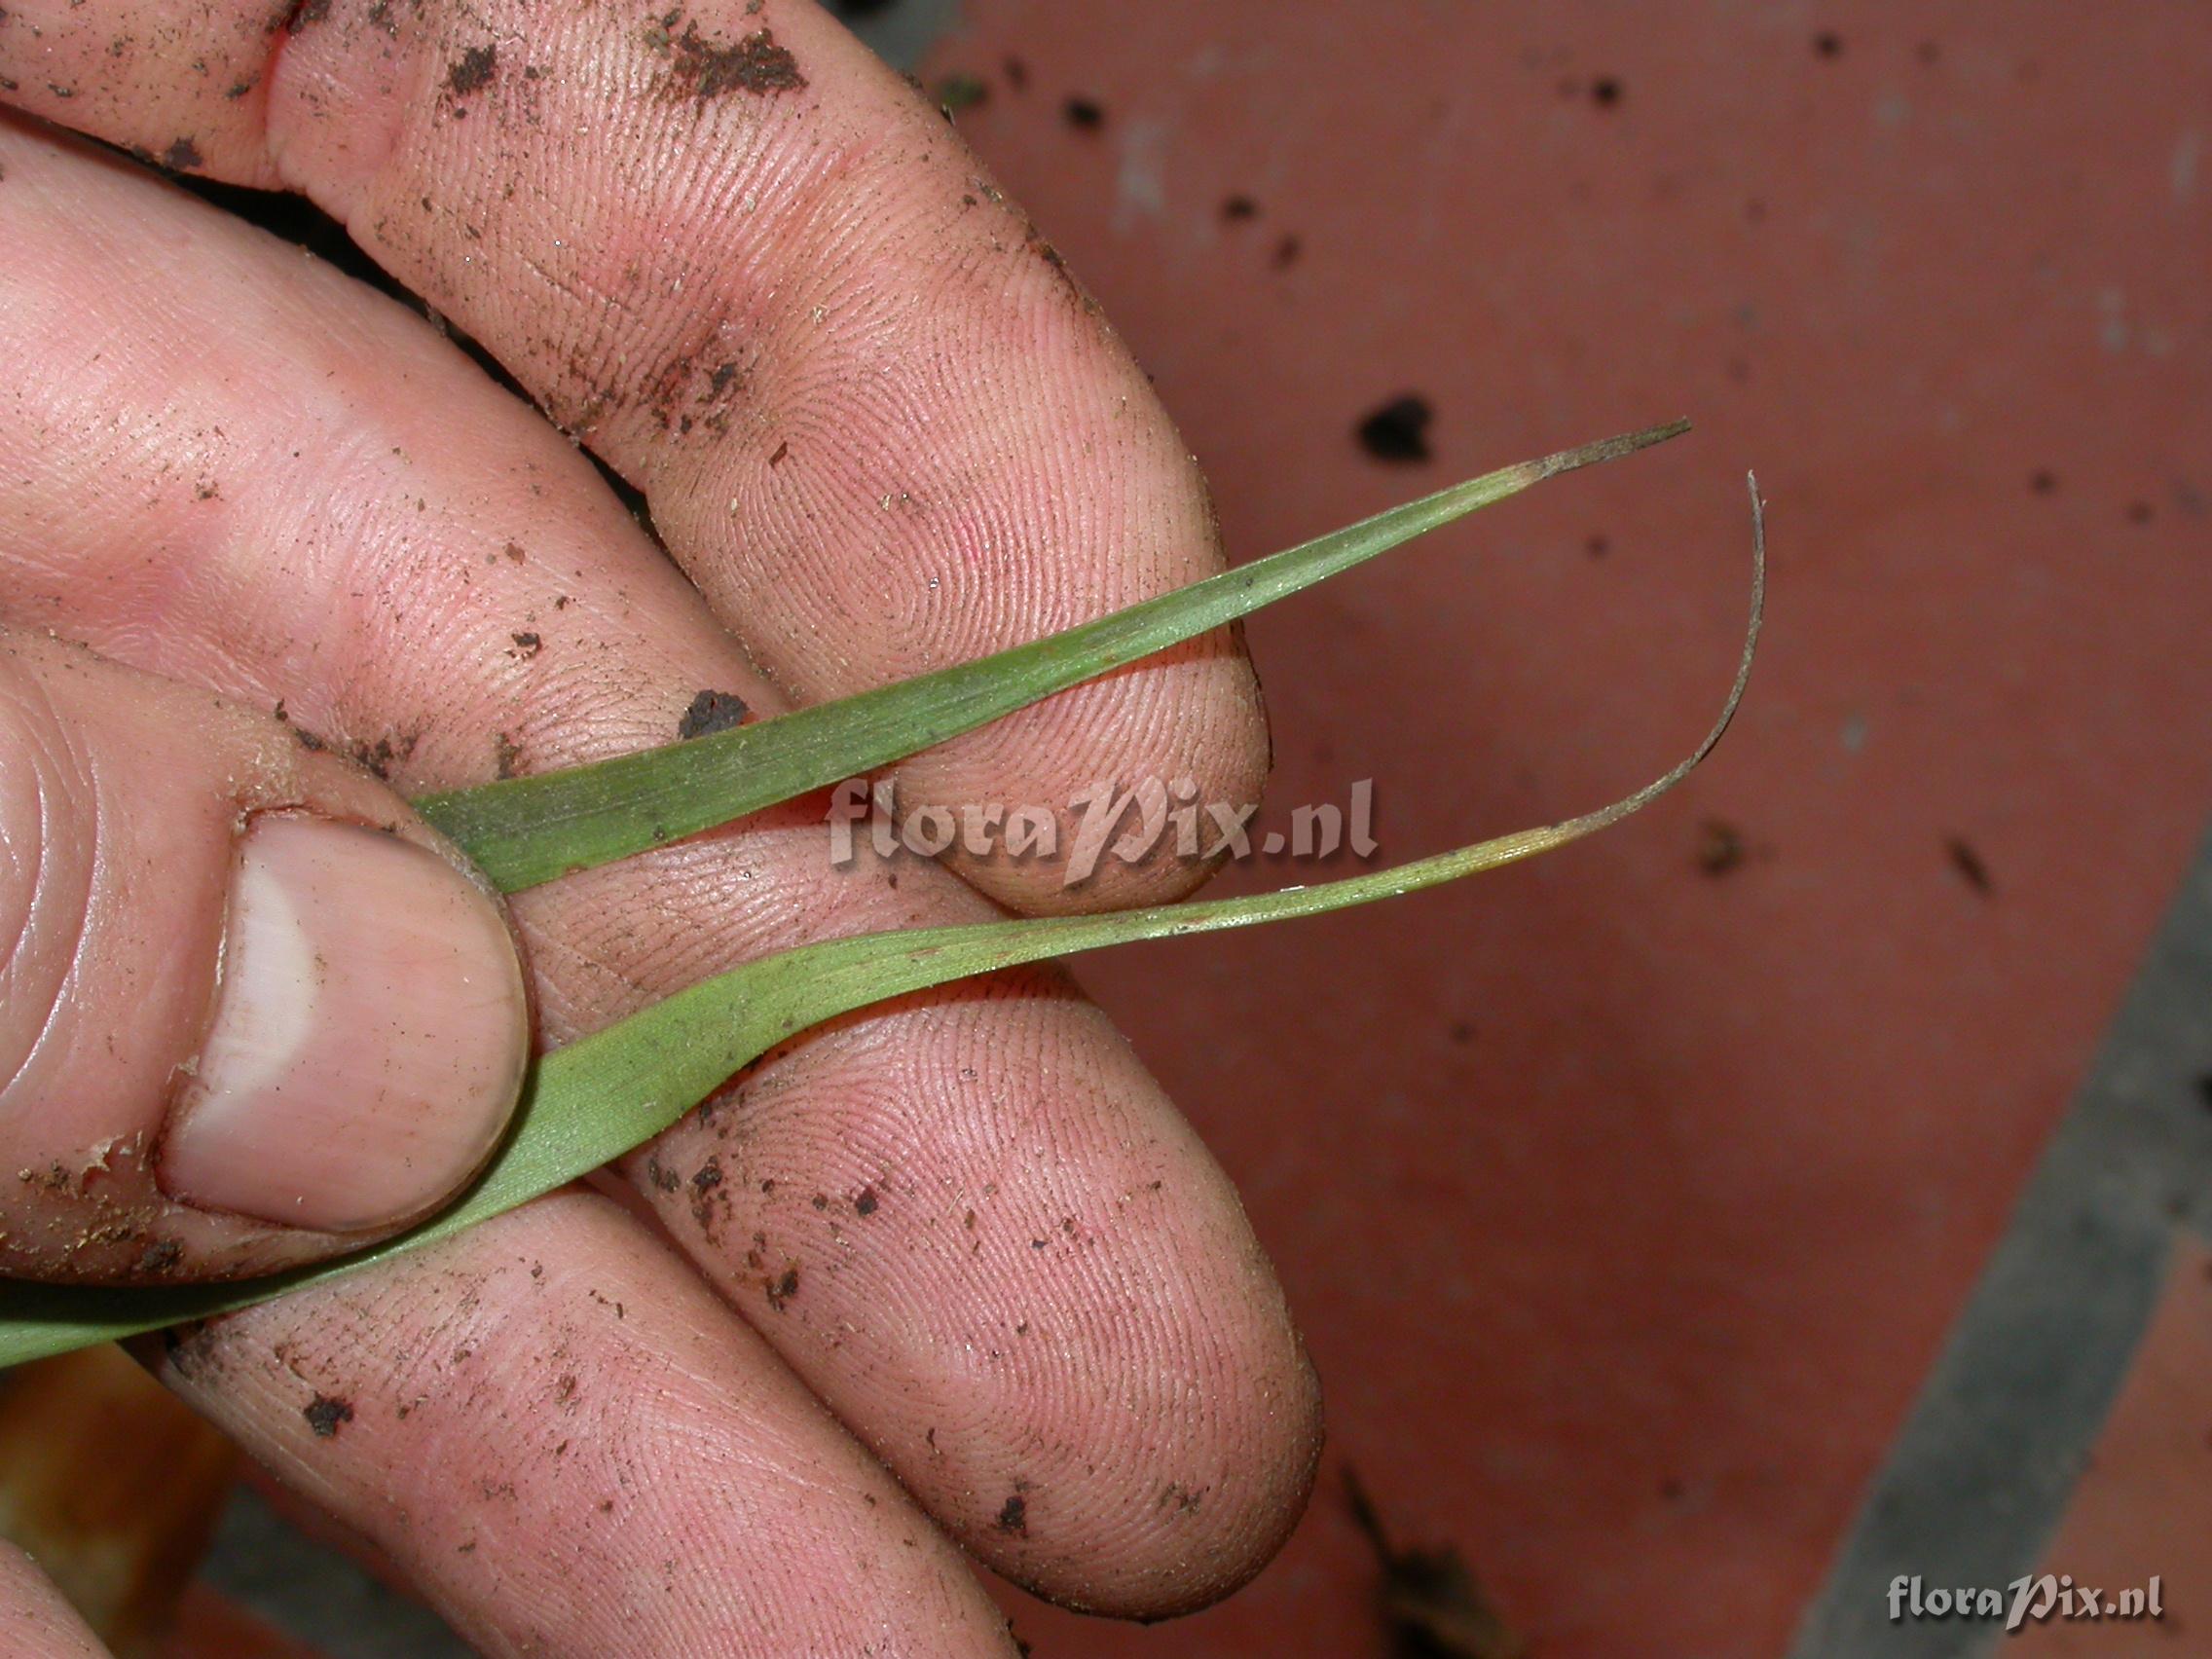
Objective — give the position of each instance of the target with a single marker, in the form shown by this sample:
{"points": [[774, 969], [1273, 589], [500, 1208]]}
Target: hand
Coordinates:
{"points": [[879, 429]]}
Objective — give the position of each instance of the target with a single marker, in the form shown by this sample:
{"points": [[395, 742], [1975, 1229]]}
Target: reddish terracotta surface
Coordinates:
{"points": [[208, 1626], [2140, 1504], [1626, 1205]]}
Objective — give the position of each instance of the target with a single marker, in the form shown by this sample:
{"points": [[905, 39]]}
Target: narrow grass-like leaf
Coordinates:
{"points": [[601, 1096], [525, 830]]}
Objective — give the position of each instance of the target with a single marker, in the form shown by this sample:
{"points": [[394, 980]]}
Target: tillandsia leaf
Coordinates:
{"points": [[525, 830], [608, 1093]]}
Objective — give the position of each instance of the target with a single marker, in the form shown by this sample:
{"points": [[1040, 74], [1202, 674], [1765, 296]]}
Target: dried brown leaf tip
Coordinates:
{"points": [[1431, 1606]]}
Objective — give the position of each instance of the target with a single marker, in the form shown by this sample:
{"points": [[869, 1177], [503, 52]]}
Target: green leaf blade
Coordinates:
{"points": [[605, 1094], [521, 832], [601, 1096]]}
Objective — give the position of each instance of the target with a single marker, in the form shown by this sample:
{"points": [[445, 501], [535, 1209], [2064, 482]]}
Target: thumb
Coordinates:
{"points": [[252, 1011]]}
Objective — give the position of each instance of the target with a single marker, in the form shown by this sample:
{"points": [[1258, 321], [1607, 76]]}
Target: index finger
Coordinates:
{"points": [[875, 418]]}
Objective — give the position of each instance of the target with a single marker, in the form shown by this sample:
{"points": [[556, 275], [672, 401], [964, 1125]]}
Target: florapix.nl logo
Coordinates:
{"points": [[1131, 825], [2036, 1600]]}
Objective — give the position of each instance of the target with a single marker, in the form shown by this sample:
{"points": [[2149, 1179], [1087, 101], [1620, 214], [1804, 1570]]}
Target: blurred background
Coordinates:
{"points": [[1803, 1183]]}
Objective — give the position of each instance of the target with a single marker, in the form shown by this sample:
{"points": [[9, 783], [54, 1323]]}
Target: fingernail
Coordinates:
{"points": [[368, 1038]]}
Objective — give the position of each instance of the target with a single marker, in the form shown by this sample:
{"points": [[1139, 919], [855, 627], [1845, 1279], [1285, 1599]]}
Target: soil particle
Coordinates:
{"points": [[1969, 865], [1085, 115], [1606, 92], [777, 458], [326, 1415], [527, 644], [706, 1184], [378, 757], [1719, 847], [866, 1203], [1014, 1517], [1240, 206], [1286, 253], [709, 712], [182, 156], [506, 756], [702, 69], [2042, 481], [472, 70], [1397, 432], [160, 1257], [306, 12], [1828, 44], [1431, 1603], [781, 1290]]}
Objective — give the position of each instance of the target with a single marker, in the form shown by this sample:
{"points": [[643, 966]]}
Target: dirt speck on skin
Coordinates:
{"points": [[1972, 868], [182, 156], [709, 712], [781, 1289], [706, 1192], [306, 12], [1239, 208], [703, 69], [1429, 1602], [866, 1203], [507, 754], [1085, 115], [1606, 92], [1014, 1517], [158, 1258], [378, 757], [1399, 430], [472, 70], [1828, 44], [527, 644], [326, 1415]]}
